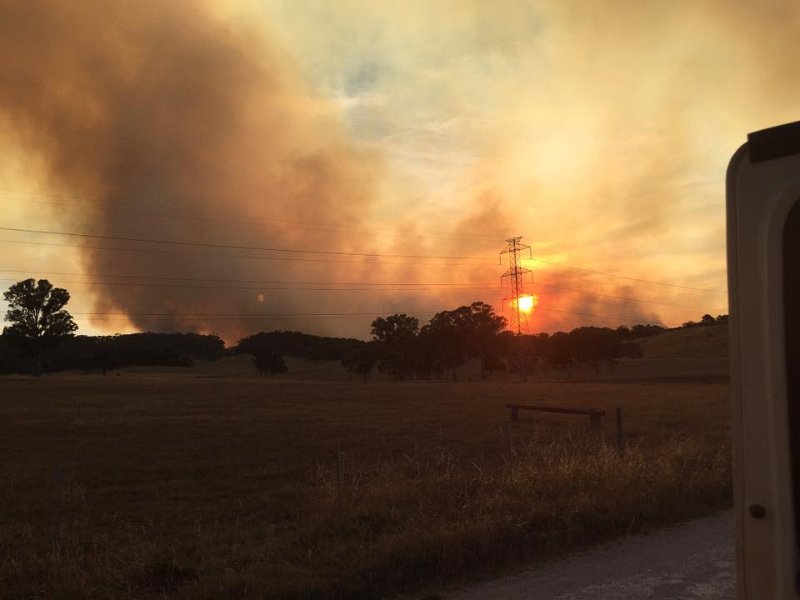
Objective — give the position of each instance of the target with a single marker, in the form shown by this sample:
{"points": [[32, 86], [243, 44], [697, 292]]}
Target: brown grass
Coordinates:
{"points": [[176, 487], [705, 342]]}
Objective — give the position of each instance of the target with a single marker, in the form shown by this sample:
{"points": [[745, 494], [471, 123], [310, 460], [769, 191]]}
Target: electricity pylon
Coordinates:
{"points": [[514, 275]]}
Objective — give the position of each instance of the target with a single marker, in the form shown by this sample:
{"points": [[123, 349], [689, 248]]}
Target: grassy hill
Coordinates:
{"points": [[692, 342], [695, 354]]}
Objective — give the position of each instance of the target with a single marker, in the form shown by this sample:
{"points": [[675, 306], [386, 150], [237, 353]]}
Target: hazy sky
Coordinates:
{"points": [[599, 131]]}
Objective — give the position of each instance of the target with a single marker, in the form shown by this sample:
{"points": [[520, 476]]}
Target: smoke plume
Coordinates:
{"points": [[598, 131], [160, 120]]}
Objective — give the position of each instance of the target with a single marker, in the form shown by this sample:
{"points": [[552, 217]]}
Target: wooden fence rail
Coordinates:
{"points": [[594, 415]]}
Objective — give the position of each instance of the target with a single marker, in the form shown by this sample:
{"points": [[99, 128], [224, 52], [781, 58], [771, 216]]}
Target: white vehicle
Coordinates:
{"points": [[763, 190]]}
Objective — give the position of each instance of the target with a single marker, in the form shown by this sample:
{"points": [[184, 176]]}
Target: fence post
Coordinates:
{"points": [[596, 424], [338, 471], [56, 507], [620, 432]]}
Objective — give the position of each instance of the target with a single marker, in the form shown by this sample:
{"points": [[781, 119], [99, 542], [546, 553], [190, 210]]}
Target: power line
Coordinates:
{"points": [[625, 298], [215, 316], [327, 252], [203, 316], [581, 322], [120, 238], [595, 272], [172, 316], [209, 316], [268, 282], [215, 255], [249, 218], [583, 314], [256, 288], [297, 251], [259, 285], [197, 215]]}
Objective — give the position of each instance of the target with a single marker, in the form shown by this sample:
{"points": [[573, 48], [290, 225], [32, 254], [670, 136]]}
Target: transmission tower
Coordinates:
{"points": [[514, 275]]}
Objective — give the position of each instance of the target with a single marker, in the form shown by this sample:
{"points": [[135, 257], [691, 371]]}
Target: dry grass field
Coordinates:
{"points": [[176, 486], [688, 342]]}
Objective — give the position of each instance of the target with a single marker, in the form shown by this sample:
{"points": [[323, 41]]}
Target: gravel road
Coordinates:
{"points": [[694, 560]]}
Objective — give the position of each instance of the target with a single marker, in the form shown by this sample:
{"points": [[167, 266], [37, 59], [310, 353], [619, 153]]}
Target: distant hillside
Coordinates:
{"points": [[299, 345], [708, 341]]}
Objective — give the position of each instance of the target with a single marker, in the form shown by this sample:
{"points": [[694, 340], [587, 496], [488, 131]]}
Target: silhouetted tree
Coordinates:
{"points": [[11, 356], [396, 338], [361, 360], [165, 349], [638, 331], [37, 316], [268, 362], [560, 350], [594, 344], [707, 320], [444, 343], [105, 356], [517, 349], [538, 348], [483, 328], [475, 331], [492, 363], [300, 345], [631, 350], [452, 336]]}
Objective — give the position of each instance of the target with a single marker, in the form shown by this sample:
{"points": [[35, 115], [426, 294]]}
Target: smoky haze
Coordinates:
{"points": [[165, 121], [598, 132]]}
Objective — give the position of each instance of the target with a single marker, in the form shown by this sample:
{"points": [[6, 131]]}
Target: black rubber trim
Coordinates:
{"points": [[774, 142], [791, 316]]}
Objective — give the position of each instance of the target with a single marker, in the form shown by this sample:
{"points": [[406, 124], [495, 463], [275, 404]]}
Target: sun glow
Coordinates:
{"points": [[527, 302]]}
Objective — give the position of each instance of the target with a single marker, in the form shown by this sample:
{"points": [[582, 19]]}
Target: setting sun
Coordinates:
{"points": [[527, 303]]}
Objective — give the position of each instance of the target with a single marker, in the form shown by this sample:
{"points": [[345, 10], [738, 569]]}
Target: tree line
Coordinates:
{"points": [[41, 337], [107, 353], [402, 349]]}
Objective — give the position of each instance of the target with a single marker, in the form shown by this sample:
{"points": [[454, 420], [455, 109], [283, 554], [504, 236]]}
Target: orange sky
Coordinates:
{"points": [[598, 131]]}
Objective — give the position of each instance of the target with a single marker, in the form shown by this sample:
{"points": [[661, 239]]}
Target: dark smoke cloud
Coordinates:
{"points": [[169, 120]]}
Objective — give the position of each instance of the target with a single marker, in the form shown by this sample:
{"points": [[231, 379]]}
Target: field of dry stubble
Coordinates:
{"points": [[170, 486]]}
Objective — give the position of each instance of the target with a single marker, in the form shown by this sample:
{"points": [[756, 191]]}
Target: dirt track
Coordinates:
{"points": [[694, 561]]}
